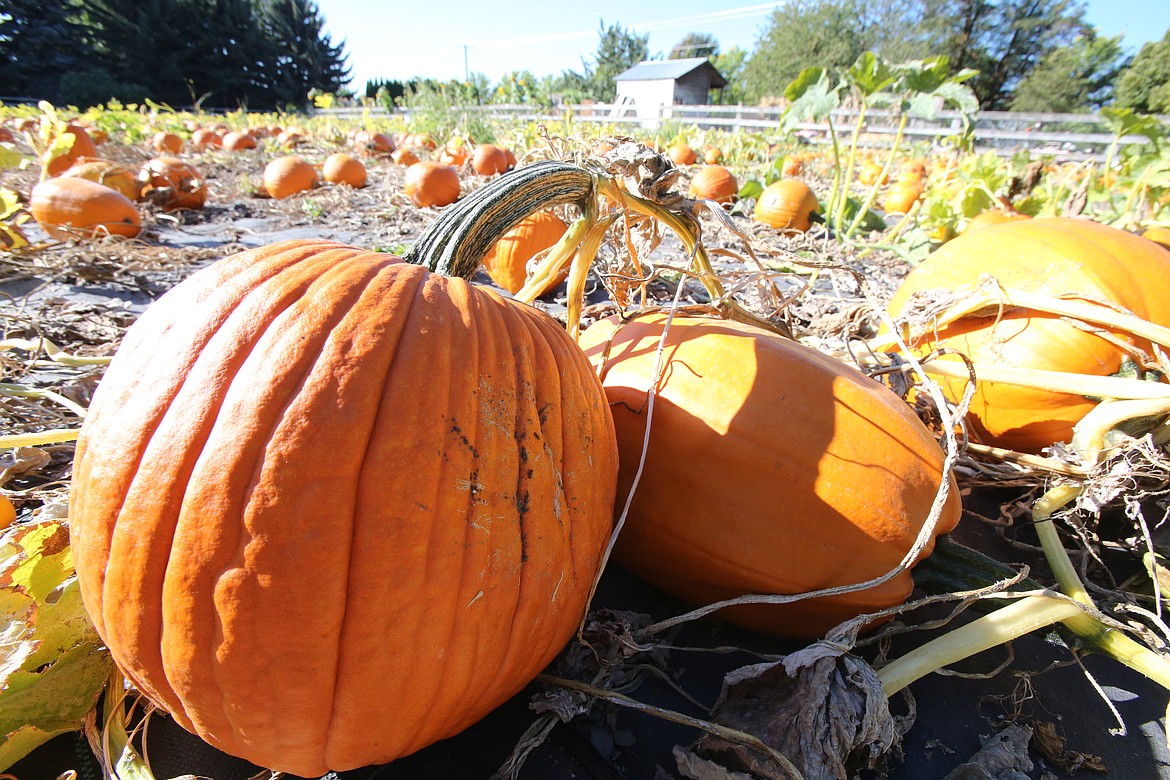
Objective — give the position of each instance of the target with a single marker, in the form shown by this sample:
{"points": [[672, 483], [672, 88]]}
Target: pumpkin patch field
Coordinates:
{"points": [[365, 447]]}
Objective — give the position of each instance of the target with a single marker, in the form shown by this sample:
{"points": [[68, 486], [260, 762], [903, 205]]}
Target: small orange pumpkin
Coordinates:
{"points": [[83, 147], [712, 155], [787, 204], [1056, 256], [342, 168], [430, 183], [74, 207], [373, 144], [238, 140], [166, 142], [206, 138], [286, 176], [489, 159], [771, 468], [404, 156], [714, 182], [108, 173], [682, 154], [507, 261], [171, 184], [902, 196]]}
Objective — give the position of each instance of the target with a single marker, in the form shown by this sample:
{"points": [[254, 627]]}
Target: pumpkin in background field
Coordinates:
{"points": [[489, 159], [430, 183], [714, 182], [682, 154], [1158, 234], [329, 508], [342, 168], [507, 261], [237, 141], [171, 184], [372, 144], [787, 204], [68, 207], [108, 173], [771, 468], [166, 142], [902, 196], [288, 175], [206, 138], [1058, 257], [83, 147], [404, 156]]}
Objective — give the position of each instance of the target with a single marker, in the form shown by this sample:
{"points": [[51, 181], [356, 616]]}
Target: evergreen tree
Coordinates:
{"points": [[618, 51], [38, 46], [299, 55]]}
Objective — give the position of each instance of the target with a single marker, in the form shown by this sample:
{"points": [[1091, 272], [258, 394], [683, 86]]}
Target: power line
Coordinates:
{"points": [[713, 16]]}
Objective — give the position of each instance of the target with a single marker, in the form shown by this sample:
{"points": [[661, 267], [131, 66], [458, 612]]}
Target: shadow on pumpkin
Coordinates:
{"points": [[770, 469]]}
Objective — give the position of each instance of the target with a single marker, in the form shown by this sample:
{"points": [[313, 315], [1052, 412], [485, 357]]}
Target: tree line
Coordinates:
{"points": [[258, 54]]}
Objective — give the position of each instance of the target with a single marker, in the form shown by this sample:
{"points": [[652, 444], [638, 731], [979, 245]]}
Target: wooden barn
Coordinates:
{"points": [[652, 84]]}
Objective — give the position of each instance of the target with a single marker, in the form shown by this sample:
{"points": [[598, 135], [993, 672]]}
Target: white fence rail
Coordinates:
{"points": [[1072, 136]]}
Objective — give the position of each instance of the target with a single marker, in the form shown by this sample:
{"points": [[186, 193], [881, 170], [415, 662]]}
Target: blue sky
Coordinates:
{"points": [[443, 38]]}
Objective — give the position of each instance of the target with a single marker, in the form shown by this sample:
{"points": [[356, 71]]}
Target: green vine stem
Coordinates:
{"points": [[859, 217]]}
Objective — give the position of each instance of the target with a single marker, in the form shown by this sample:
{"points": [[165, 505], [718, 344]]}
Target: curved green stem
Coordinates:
{"points": [[843, 196], [873, 190]]}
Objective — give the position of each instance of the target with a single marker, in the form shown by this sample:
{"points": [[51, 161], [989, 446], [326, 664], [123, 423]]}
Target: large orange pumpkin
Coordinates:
{"points": [[74, 207], [172, 184], [1052, 256], [787, 204], [507, 261], [771, 468], [329, 507], [342, 168]]}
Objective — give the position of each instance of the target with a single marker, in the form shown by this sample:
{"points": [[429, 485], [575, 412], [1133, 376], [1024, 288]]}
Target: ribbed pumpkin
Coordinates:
{"points": [[1158, 234], [507, 261], [771, 468], [171, 184], [329, 507], [714, 182], [83, 147], [342, 168], [108, 173], [992, 217], [68, 207], [288, 175], [1052, 256], [786, 204], [430, 183]]}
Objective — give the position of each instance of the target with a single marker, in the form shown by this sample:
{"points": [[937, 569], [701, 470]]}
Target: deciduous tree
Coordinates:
{"points": [[1073, 78], [1144, 86]]}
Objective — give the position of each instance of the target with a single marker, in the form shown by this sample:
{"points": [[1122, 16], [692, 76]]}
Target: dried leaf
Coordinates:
{"points": [[52, 664], [1054, 748], [21, 461], [822, 709], [693, 767], [1003, 756]]}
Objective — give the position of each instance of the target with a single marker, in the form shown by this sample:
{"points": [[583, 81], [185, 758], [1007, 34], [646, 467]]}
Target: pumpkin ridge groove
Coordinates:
{"points": [[344, 278], [345, 630], [164, 531]]}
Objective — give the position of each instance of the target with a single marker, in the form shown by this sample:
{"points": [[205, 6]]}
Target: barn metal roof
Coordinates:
{"points": [[657, 70]]}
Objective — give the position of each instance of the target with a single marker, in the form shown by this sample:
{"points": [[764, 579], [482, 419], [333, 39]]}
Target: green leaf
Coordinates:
{"points": [[813, 97], [9, 157], [870, 74], [751, 188], [52, 663], [870, 222]]}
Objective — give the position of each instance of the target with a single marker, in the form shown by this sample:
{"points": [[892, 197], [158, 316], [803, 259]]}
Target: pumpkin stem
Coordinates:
{"points": [[456, 243]]}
